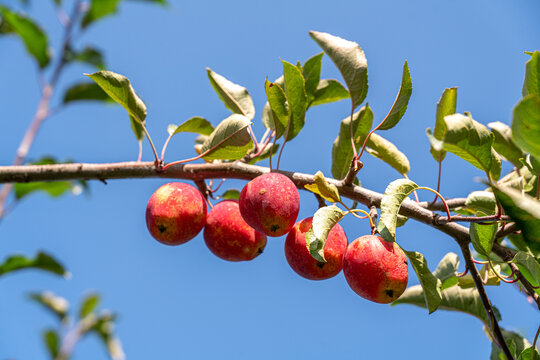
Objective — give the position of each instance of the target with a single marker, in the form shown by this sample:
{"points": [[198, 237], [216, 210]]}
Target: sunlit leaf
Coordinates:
{"points": [[531, 84], [350, 60], [235, 97], [277, 107], [323, 221], [396, 192], [55, 304], [324, 188], [481, 200], [482, 237], [467, 281], [295, 93], [430, 284], [526, 125], [446, 270], [52, 342], [88, 305], [329, 90], [231, 194], [197, 125], [402, 100], [86, 92], [529, 262], [230, 140], [42, 261], [445, 106], [527, 354], [312, 75], [342, 152], [504, 144], [515, 342], [34, 39], [386, 151], [88, 55], [99, 9]]}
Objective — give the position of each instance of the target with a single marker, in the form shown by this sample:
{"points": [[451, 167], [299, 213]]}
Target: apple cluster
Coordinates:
{"points": [[268, 206]]}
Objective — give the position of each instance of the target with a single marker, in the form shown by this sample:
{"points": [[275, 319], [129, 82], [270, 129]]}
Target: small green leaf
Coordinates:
{"points": [[230, 140], [35, 40], [323, 188], [446, 270], [342, 153], [42, 261], [527, 354], [350, 61], [231, 194], [86, 92], [402, 100], [329, 90], [89, 305], [523, 209], [396, 192], [295, 93], [197, 125], [323, 221], [312, 75], [482, 237], [531, 84], [88, 55], [52, 342], [516, 343], [235, 97], [99, 9], [526, 125], [386, 151], [529, 262], [504, 144], [467, 281], [278, 108], [481, 200], [445, 106], [56, 304], [430, 284], [471, 141]]}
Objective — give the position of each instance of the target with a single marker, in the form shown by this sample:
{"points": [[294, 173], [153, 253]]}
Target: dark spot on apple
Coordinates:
{"points": [[274, 228], [259, 251], [162, 228], [320, 264], [405, 262], [390, 293]]}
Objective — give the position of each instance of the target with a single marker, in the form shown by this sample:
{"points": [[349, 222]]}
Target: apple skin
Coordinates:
{"points": [[229, 237], [270, 204], [376, 269], [303, 263], [176, 213]]}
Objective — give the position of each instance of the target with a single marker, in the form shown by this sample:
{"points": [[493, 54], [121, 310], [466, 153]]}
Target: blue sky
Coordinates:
{"points": [[183, 302]]}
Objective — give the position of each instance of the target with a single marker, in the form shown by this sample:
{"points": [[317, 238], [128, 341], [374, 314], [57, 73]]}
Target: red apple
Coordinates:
{"points": [[176, 213], [376, 269], [303, 263], [270, 204], [229, 237]]}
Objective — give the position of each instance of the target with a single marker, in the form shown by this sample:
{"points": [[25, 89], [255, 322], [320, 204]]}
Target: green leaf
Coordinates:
{"points": [[270, 150], [312, 75], [529, 262], [504, 144], [396, 192], [430, 284], [402, 100], [119, 88], [386, 151], [295, 93], [526, 125], [471, 141], [277, 107], [467, 281], [88, 55], [350, 60], [329, 90], [531, 84], [89, 305], [482, 237], [523, 209], [52, 342], [42, 261], [446, 270], [230, 140], [86, 92], [34, 39], [481, 200], [515, 342], [197, 125], [56, 304], [453, 298], [445, 106], [323, 221], [231, 194], [323, 188], [342, 153], [99, 9], [235, 97], [527, 354]]}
